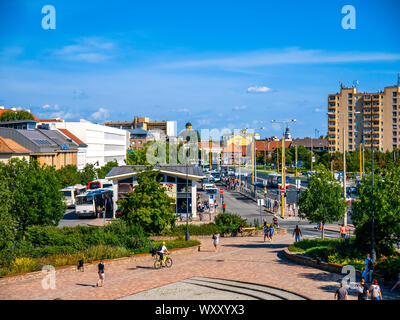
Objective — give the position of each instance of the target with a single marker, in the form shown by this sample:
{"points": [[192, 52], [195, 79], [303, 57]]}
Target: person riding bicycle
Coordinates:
{"points": [[162, 250]]}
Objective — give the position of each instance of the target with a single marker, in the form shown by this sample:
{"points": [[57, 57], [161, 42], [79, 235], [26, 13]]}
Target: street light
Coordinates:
{"points": [[283, 176], [187, 236]]}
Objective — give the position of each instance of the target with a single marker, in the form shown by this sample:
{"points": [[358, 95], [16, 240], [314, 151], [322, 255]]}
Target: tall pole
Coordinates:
{"points": [[210, 155], [295, 155], [360, 163], [283, 173], [311, 153], [187, 238], [373, 253], [344, 170]]}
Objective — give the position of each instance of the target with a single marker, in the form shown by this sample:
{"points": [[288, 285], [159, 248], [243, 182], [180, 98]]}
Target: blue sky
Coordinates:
{"points": [[218, 64]]}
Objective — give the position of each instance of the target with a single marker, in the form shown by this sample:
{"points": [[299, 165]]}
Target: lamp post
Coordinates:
{"points": [[187, 236], [283, 176]]}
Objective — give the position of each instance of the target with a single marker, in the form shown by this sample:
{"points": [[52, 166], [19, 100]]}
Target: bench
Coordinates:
{"points": [[249, 231]]}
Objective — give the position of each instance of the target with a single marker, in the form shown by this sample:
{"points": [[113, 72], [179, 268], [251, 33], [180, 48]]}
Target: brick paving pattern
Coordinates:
{"points": [[246, 259]]}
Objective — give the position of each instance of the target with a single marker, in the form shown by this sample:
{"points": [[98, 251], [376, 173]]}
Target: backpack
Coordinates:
{"points": [[370, 265], [159, 247], [375, 292]]}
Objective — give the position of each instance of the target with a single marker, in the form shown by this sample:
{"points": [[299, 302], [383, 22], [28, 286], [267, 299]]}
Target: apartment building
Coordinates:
{"points": [[364, 119], [168, 128]]}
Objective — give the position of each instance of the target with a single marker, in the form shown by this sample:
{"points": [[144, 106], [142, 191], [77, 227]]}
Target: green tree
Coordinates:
{"points": [[10, 115], [24, 115], [136, 157], [386, 206], [322, 201], [7, 223], [35, 193], [102, 172], [69, 176], [148, 205], [87, 174]]}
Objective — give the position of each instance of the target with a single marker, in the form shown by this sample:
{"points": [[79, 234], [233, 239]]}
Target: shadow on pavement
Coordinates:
{"points": [[144, 267], [86, 285], [264, 245]]}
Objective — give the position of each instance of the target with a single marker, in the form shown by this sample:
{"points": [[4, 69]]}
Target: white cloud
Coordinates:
{"points": [[237, 108], [284, 56], [258, 89], [318, 110], [91, 50], [48, 107], [101, 114]]}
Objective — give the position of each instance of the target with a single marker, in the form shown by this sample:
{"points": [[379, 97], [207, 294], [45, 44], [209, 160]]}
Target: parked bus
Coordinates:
{"points": [[94, 203], [100, 184], [70, 194], [274, 180]]}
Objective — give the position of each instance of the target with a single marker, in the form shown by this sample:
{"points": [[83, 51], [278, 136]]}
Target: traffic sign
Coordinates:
{"points": [[283, 190], [260, 202], [221, 190]]}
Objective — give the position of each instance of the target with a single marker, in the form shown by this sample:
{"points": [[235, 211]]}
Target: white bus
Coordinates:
{"points": [[94, 203], [70, 194], [100, 184]]}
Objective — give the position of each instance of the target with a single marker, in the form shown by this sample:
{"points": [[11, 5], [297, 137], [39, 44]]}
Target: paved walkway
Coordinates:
{"points": [[246, 259]]}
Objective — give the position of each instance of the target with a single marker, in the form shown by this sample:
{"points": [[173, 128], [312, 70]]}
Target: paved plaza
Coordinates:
{"points": [[240, 259]]}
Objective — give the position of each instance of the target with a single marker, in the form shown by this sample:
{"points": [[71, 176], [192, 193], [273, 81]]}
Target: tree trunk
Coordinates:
{"points": [[323, 231]]}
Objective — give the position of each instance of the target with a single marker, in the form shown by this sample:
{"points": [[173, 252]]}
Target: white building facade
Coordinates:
{"points": [[104, 143]]}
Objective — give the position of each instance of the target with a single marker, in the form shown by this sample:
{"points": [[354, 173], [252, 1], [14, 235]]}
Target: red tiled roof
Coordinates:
{"points": [[271, 145], [50, 120], [73, 137], [10, 146]]}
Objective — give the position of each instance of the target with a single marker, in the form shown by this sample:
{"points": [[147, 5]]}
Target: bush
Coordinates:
{"points": [[389, 267], [196, 230], [320, 253], [229, 222]]}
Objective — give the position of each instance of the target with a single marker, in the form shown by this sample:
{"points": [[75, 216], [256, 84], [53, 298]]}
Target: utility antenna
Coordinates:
{"points": [[341, 84], [355, 84], [398, 79]]}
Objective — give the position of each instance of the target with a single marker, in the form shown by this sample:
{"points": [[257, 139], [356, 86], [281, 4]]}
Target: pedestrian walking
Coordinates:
{"points": [[215, 238], [101, 274], [375, 291], [343, 231], [341, 293], [297, 233], [271, 231], [275, 221], [362, 290], [223, 206], [368, 268], [266, 231]]}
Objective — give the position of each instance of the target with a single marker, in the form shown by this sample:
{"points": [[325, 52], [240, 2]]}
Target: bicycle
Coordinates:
{"points": [[158, 264]]}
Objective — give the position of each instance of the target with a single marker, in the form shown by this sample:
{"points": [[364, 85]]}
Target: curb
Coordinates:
{"points": [[326, 266]]}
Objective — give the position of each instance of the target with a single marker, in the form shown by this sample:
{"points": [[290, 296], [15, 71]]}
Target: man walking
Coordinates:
{"points": [[297, 233], [101, 274], [368, 269], [341, 293], [223, 206]]}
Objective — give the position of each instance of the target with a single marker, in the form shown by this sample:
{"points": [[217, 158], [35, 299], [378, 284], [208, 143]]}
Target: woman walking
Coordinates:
{"points": [[375, 290], [215, 238]]}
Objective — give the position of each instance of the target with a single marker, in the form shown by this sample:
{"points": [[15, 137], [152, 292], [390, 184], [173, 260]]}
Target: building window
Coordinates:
{"points": [[394, 100], [350, 95], [394, 107], [394, 94]]}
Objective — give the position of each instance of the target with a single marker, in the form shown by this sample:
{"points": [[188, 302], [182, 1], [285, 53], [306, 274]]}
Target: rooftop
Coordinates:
{"points": [[10, 146]]}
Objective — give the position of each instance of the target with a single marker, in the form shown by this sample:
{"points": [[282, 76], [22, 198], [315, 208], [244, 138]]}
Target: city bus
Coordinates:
{"points": [[94, 203], [100, 184], [70, 194], [274, 180]]}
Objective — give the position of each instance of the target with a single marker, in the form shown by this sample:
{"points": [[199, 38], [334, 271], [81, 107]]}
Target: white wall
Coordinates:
{"points": [[104, 143]]}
